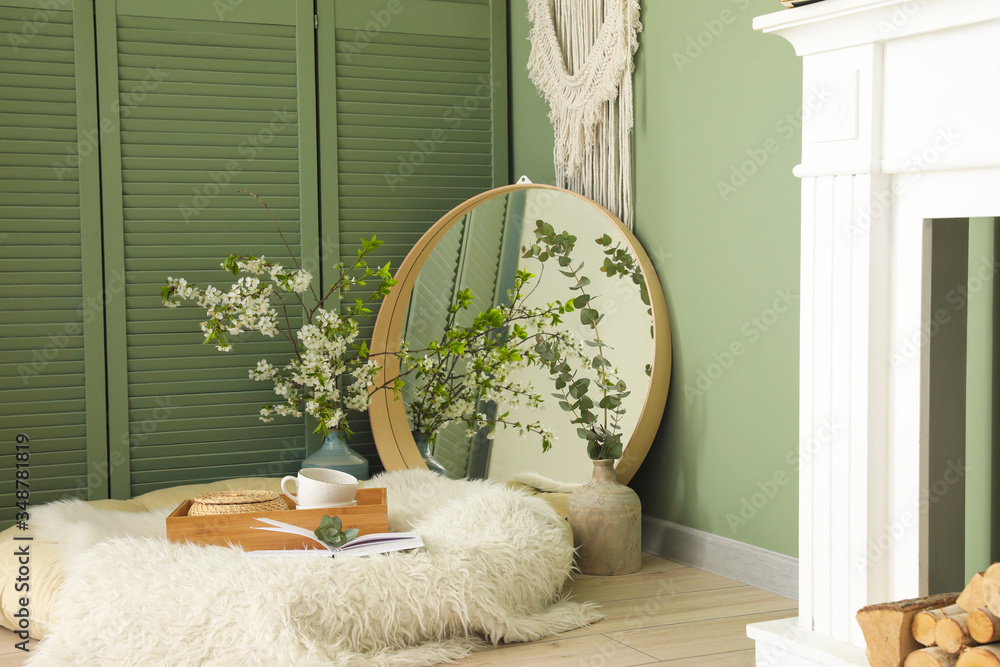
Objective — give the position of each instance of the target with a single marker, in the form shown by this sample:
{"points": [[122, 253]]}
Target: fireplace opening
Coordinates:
{"points": [[962, 336]]}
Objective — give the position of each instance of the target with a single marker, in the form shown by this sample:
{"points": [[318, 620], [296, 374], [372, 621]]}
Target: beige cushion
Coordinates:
{"points": [[44, 569]]}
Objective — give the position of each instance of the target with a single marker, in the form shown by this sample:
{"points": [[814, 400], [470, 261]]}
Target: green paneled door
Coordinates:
{"points": [[204, 99], [414, 120], [51, 337]]}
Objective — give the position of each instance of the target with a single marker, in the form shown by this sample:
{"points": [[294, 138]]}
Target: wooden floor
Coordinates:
{"points": [[665, 614]]}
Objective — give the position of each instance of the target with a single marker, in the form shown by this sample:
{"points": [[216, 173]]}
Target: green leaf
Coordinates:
{"points": [[609, 402], [593, 450], [581, 300], [615, 451], [589, 316]]}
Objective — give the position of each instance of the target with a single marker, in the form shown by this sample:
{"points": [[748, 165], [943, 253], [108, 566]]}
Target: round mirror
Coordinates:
{"points": [[478, 246]]}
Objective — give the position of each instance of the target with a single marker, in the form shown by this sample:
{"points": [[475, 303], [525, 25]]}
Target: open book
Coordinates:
{"points": [[376, 543]]}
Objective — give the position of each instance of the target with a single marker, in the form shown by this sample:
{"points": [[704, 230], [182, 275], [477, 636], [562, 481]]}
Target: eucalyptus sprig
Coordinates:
{"points": [[474, 363], [599, 424]]}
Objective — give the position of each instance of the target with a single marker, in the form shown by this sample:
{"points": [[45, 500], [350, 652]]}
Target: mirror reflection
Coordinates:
{"points": [[482, 252]]}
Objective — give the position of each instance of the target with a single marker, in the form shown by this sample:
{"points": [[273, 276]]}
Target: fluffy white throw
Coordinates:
{"points": [[581, 63], [493, 569]]}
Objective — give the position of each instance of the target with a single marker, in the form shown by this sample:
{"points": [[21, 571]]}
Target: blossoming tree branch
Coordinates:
{"points": [[322, 378]]}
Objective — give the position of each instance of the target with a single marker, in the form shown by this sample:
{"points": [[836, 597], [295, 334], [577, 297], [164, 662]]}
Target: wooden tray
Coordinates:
{"points": [[368, 516]]}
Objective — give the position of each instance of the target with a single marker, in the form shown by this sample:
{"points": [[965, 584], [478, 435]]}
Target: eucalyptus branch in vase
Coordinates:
{"points": [[474, 363]]}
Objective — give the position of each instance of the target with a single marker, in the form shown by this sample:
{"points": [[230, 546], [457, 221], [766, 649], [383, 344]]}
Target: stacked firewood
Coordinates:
{"points": [[948, 630]]}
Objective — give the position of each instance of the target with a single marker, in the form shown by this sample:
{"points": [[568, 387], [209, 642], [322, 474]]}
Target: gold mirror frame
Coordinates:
{"points": [[390, 426]]}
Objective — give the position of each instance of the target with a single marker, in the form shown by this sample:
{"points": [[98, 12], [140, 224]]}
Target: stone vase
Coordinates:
{"points": [[606, 520]]}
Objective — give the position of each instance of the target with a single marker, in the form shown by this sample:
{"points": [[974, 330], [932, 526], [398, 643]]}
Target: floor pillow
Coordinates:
{"points": [[492, 570], [44, 569]]}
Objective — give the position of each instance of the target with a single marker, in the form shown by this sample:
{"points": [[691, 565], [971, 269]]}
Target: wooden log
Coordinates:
{"points": [[925, 621], [991, 588], [984, 627], [952, 632], [972, 598], [980, 656], [887, 628], [932, 656]]}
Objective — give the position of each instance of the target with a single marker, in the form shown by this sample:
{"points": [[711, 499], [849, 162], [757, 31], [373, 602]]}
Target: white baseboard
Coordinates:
{"points": [[751, 565]]}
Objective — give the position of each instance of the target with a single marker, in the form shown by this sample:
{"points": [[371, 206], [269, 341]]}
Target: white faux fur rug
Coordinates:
{"points": [[493, 568]]}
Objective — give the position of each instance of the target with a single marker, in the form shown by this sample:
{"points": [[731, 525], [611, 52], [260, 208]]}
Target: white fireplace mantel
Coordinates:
{"points": [[900, 128]]}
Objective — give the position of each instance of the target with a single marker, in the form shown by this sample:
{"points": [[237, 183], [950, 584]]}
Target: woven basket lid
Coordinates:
{"points": [[236, 497], [236, 502]]}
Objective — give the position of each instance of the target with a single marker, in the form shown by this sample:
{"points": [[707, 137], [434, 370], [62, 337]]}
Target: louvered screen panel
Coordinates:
{"points": [[208, 107], [421, 117], [427, 314], [49, 379], [479, 270], [434, 291]]}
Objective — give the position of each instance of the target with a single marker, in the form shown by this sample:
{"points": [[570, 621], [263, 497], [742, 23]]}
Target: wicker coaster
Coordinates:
{"points": [[236, 502]]}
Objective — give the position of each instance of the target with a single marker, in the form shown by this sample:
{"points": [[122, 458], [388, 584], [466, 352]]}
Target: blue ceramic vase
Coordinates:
{"points": [[335, 454]]}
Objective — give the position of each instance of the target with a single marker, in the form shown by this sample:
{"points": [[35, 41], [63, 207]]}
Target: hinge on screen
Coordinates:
{"points": [[316, 21]]}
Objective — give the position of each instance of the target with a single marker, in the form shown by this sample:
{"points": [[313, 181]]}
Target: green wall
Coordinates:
{"points": [[710, 95]]}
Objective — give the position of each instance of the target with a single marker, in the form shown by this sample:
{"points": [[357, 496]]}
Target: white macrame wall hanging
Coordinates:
{"points": [[581, 63]]}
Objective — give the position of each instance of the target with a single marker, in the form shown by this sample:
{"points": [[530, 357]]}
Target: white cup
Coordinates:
{"points": [[321, 487]]}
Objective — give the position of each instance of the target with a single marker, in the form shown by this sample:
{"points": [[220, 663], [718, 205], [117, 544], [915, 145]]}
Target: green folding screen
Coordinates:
{"points": [[127, 128], [206, 99], [419, 89], [51, 323]]}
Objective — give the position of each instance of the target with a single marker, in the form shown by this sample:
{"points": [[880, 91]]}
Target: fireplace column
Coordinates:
{"points": [[887, 89]]}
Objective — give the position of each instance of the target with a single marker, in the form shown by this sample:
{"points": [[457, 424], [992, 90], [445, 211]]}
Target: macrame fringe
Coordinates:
{"points": [[581, 63]]}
